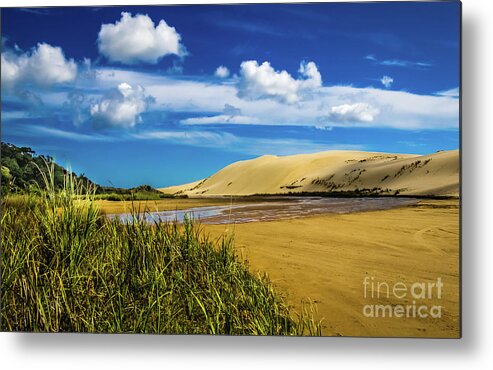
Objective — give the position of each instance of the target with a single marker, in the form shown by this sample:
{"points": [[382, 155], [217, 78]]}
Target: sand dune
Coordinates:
{"points": [[435, 174]]}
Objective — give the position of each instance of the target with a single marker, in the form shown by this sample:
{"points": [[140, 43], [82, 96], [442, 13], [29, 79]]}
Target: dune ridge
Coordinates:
{"points": [[366, 173]]}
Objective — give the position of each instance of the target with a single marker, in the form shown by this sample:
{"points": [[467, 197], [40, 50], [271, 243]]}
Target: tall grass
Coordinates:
{"points": [[65, 267]]}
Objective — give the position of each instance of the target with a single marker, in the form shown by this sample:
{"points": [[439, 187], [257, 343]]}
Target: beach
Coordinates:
{"points": [[326, 258]]}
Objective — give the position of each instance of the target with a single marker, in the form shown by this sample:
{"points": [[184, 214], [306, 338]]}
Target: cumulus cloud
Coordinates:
{"points": [[358, 112], [387, 81], [222, 72], [313, 78], [135, 39], [262, 81], [43, 66], [122, 106]]}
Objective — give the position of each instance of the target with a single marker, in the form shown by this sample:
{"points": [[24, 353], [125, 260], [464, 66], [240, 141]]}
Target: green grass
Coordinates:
{"points": [[67, 268]]}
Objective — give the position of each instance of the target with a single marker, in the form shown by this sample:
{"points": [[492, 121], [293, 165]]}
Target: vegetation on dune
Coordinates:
{"points": [[143, 192], [65, 267], [23, 171]]}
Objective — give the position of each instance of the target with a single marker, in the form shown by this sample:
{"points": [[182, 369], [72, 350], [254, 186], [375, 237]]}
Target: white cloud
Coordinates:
{"points": [[44, 65], [37, 131], [398, 62], [133, 40], [247, 145], [387, 81], [231, 115], [313, 78], [121, 107], [77, 136], [453, 93], [405, 63], [198, 98], [200, 138], [359, 112], [261, 146], [15, 114], [222, 118], [10, 70], [222, 72], [262, 81]]}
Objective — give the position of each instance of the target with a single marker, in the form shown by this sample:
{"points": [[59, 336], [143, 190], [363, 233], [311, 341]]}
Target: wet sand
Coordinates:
{"points": [[326, 259], [167, 204], [269, 209]]}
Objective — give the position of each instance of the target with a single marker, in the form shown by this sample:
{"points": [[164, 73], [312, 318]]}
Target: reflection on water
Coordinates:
{"points": [[272, 210]]}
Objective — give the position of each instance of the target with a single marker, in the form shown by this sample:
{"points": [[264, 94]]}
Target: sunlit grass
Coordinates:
{"points": [[66, 267]]}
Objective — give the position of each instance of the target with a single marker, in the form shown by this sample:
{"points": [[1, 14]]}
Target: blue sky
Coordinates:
{"points": [[164, 95]]}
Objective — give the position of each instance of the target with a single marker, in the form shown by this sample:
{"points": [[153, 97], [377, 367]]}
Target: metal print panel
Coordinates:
{"points": [[256, 169]]}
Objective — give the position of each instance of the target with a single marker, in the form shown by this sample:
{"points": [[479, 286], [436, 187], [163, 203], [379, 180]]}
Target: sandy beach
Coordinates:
{"points": [[326, 259]]}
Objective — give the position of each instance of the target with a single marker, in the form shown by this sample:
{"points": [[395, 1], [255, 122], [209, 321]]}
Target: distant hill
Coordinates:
{"points": [[339, 172], [21, 169]]}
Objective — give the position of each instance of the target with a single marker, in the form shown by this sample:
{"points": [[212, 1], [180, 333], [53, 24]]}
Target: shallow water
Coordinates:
{"points": [[272, 210]]}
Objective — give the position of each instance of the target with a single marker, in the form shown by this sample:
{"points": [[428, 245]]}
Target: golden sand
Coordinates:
{"points": [[433, 174], [326, 259]]}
